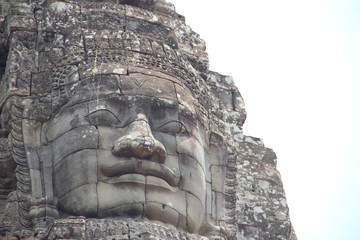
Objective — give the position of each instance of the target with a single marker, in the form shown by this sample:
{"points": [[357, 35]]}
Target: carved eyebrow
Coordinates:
{"points": [[165, 103], [99, 107], [184, 108], [103, 108]]}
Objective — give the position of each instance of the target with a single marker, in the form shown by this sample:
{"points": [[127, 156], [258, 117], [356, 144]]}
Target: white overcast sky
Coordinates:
{"points": [[297, 65]]}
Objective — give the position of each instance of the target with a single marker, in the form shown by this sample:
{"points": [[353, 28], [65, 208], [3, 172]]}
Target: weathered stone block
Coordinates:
{"points": [[138, 84], [191, 171], [84, 137], [117, 199], [168, 197], [75, 170], [73, 203], [218, 174], [161, 212]]}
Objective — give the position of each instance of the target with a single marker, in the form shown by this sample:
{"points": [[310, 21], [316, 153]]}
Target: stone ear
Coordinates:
{"points": [[216, 175], [7, 183], [7, 167], [4, 133]]}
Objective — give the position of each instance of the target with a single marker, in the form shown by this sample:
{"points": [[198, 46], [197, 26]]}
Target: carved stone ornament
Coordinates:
{"points": [[113, 127]]}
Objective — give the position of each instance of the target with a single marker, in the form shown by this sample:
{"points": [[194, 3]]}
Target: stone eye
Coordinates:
{"points": [[174, 127], [102, 117]]}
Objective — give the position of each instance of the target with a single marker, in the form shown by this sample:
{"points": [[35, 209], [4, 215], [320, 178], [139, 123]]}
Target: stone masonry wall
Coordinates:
{"points": [[47, 47]]}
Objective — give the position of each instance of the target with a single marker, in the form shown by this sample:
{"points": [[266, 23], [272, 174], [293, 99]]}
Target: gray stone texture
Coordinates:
{"points": [[112, 126]]}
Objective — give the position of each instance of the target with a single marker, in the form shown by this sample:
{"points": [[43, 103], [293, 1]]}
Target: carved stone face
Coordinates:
{"points": [[130, 146]]}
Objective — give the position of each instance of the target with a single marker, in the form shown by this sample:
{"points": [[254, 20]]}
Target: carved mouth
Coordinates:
{"points": [[145, 168]]}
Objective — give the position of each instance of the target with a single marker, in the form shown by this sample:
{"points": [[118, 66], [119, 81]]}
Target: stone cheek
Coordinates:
{"points": [[84, 137], [74, 202], [68, 120], [169, 142]]}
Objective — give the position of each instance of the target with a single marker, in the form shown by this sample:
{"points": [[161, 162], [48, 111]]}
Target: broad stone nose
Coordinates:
{"points": [[139, 142]]}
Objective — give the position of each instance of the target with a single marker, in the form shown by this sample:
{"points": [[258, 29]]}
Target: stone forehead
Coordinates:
{"points": [[69, 91], [132, 87]]}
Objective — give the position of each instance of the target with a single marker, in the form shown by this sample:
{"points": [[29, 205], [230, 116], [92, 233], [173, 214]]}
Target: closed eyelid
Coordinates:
{"points": [[173, 127]]}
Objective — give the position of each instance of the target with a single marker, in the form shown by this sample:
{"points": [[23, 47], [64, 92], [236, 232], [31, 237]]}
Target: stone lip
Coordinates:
{"points": [[145, 168]]}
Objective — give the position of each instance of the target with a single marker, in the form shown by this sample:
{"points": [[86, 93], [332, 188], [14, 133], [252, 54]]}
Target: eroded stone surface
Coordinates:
{"points": [[113, 127]]}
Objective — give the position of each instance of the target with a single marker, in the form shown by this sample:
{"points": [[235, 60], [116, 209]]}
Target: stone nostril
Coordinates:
{"points": [[142, 147], [122, 147]]}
